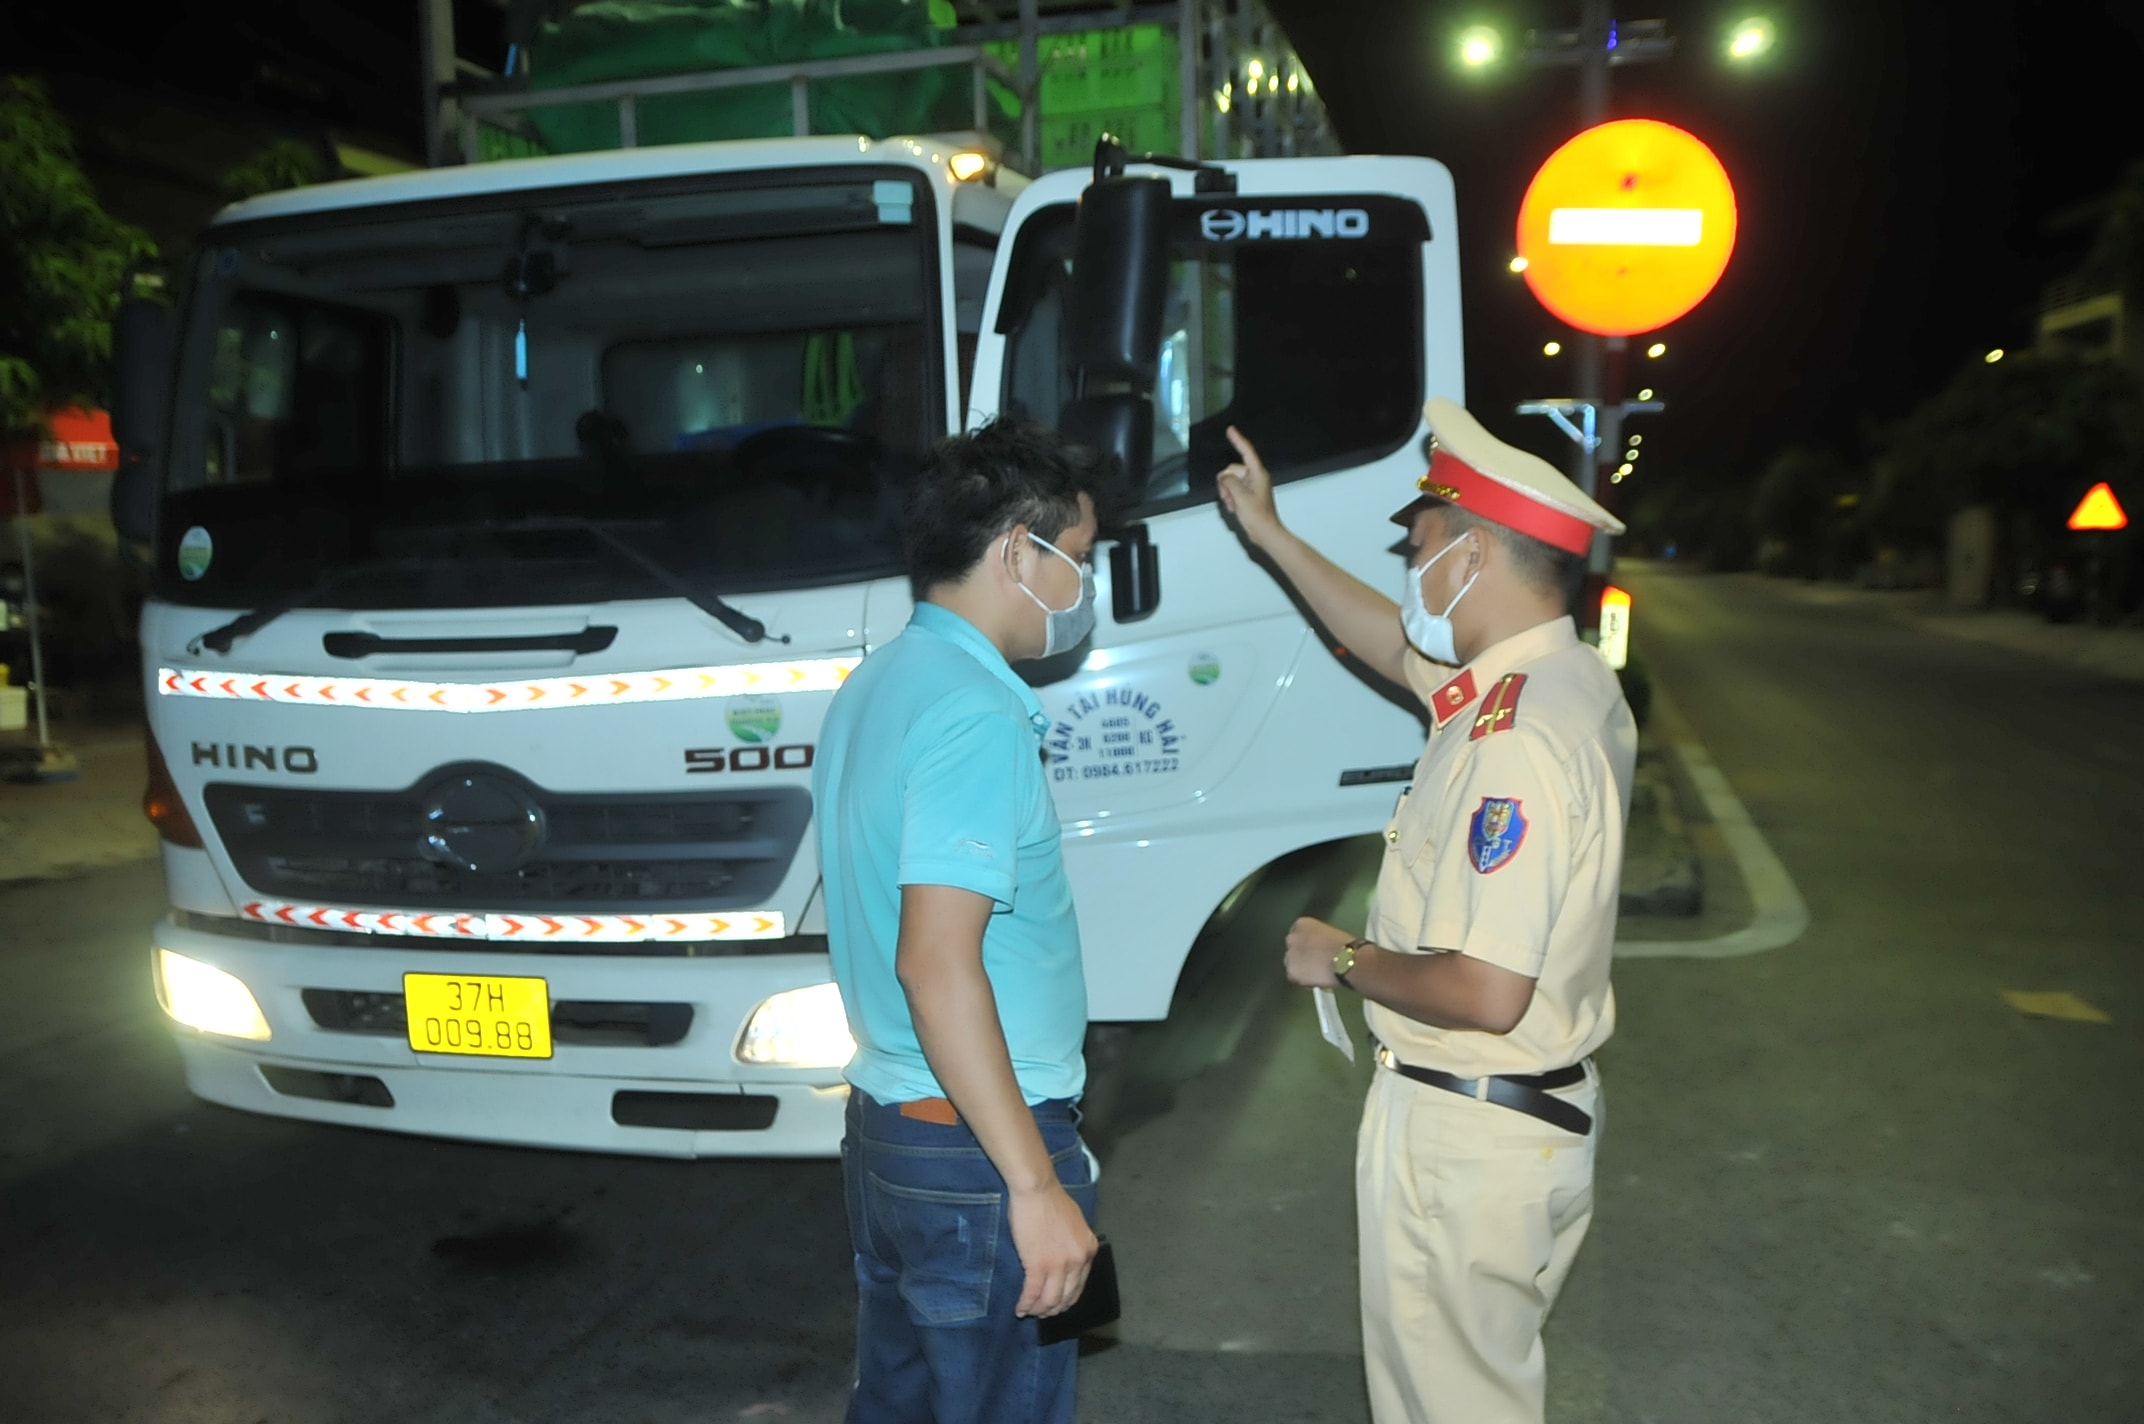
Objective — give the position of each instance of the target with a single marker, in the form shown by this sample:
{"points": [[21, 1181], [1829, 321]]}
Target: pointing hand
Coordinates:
{"points": [[1247, 490]]}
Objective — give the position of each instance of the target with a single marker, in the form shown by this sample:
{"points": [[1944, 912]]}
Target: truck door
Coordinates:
{"points": [[1315, 307]]}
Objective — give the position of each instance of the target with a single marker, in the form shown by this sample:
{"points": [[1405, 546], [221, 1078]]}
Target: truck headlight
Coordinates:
{"points": [[799, 1028], [204, 997]]}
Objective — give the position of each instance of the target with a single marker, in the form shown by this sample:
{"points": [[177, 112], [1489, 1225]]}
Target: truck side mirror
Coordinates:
{"points": [[142, 346], [1134, 575], [1120, 281], [141, 375], [133, 502], [1119, 429]]}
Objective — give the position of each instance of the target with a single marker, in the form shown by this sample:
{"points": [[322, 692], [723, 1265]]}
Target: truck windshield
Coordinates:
{"points": [[1302, 325], [439, 400]]}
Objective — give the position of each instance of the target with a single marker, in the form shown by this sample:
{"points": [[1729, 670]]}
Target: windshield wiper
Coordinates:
{"points": [[219, 640], [743, 624]]}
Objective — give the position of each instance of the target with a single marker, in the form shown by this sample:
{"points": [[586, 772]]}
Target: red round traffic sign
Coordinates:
{"points": [[1627, 227]]}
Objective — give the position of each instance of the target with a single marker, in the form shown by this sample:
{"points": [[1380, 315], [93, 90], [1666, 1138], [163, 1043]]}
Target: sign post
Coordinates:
{"points": [[2096, 516], [1626, 227]]}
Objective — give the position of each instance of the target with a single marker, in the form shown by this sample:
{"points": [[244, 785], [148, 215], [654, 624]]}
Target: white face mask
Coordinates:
{"points": [[1066, 627], [1431, 633]]}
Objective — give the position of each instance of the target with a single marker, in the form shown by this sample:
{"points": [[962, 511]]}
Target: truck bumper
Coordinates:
{"points": [[688, 1098]]}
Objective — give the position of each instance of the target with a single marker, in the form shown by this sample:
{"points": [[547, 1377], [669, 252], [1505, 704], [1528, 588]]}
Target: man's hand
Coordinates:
{"points": [[1247, 489], [1056, 1248], [1311, 947]]}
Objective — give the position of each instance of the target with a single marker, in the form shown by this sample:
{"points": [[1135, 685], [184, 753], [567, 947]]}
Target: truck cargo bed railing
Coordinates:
{"points": [[627, 93]]}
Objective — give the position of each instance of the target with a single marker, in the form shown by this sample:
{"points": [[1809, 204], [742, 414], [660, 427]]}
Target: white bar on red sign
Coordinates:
{"points": [[524, 928], [1626, 227]]}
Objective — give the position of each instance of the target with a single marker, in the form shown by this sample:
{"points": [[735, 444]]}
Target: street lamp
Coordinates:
{"points": [[1553, 348], [1519, 264], [1657, 350], [1646, 394], [1750, 38], [1480, 46], [1993, 356], [1637, 440]]}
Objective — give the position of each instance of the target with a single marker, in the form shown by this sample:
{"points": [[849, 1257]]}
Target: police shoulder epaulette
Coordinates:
{"points": [[1500, 709]]}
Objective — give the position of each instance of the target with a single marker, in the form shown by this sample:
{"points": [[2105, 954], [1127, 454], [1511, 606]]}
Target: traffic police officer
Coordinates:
{"points": [[1484, 965]]}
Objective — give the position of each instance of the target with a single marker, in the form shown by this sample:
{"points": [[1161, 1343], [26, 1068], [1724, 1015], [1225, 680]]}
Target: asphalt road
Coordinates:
{"points": [[1845, 1180], [163, 1260], [1842, 1180]]}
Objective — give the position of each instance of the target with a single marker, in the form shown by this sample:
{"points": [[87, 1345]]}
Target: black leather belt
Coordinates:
{"points": [[1521, 1093]]}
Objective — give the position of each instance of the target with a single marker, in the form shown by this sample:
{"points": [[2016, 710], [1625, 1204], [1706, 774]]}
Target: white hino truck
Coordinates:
{"points": [[513, 525]]}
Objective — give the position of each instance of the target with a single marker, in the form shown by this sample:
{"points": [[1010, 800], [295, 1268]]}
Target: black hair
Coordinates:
{"points": [[974, 487], [1542, 567]]}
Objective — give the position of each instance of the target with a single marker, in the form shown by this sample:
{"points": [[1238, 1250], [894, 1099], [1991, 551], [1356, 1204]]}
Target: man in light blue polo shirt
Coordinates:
{"points": [[970, 1198]]}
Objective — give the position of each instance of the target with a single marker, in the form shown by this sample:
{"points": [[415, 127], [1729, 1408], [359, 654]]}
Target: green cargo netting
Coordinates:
{"points": [[637, 39], [493, 142], [1120, 82]]}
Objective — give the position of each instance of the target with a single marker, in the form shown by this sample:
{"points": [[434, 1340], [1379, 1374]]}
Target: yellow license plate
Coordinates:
{"points": [[481, 1014]]}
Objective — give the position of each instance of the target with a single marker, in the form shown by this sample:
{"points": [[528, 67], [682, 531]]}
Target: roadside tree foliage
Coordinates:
{"points": [[284, 164], [2027, 436], [62, 258], [1797, 513]]}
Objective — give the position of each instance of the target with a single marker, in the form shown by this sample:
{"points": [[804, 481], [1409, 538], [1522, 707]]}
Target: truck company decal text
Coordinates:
{"points": [[1114, 731]]}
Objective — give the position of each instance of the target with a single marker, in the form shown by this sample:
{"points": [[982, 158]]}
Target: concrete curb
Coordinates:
{"points": [[1781, 916], [1660, 866]]}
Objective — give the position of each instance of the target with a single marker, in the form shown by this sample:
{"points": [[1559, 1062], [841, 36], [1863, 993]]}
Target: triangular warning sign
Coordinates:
{"points": [[2099, 509]]}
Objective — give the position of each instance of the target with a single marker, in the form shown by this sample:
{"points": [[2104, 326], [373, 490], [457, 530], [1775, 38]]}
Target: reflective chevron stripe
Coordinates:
{"points": [[546, 929], [391, 695]]}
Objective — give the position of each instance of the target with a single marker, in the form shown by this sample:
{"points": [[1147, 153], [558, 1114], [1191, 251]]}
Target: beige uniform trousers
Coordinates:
{"points": [[1470, 1215]]}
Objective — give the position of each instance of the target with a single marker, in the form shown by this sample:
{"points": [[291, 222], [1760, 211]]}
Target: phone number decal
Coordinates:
{"points": [[1112, 732]]}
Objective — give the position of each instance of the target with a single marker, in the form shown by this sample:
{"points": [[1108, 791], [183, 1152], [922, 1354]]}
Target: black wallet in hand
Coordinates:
{"points": [[1096, 1306]]}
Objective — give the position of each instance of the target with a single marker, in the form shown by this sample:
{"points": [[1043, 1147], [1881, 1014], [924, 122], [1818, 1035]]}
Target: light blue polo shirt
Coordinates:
{"points": [[929, 772]]}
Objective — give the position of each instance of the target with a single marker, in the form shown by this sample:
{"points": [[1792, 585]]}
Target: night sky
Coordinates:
{"points": [[1898, 163]]}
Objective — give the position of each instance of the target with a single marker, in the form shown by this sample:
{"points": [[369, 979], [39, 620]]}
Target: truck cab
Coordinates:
{"points": [[512, 526]]}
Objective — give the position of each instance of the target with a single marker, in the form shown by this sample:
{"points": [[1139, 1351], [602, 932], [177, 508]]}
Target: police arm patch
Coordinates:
{"points": [[1495, 833]]}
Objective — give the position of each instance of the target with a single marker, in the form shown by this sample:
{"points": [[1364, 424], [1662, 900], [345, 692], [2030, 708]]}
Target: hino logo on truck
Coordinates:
{"points": [[301, 761], [1230, 224]]}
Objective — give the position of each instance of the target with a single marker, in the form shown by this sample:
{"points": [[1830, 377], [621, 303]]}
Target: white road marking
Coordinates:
{"points": [[1781, 917]]}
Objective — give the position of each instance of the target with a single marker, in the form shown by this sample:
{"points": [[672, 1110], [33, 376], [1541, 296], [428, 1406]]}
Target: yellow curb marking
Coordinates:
{"points": [[2054, 1004]]}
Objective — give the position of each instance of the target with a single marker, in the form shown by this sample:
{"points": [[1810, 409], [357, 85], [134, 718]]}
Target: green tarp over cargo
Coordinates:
{"points": [[639, 39], [1121, 82]]}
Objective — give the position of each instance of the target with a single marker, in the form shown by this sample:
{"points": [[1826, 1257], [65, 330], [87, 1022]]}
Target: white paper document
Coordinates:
{"points": [[1331, 1024]]}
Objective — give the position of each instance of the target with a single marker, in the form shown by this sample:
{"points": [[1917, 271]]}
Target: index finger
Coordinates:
{"points": [[1243, 445]]}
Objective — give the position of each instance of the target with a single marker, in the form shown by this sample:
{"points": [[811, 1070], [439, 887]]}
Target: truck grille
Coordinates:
{"points": [[594, 1022], [481, 837]]}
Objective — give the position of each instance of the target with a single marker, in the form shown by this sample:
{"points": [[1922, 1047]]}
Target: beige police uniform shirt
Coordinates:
{"points": [[1508, 846]]}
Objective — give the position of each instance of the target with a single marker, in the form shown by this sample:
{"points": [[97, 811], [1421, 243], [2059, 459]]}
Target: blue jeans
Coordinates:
{"points": [[937, 1276]]}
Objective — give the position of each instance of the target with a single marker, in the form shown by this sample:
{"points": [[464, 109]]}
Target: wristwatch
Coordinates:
{"points": [[1344, 959]]}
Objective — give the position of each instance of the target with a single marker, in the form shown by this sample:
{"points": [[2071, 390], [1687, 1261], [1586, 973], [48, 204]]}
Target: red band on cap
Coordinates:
{"points": [[1454, 481]]}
